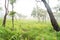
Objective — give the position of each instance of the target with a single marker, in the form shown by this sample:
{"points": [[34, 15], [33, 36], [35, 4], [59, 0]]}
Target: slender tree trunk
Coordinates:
{"points": [[13, 22], [38, 18], [6, 12], [43, 19], [52, 18], [12, 17]]}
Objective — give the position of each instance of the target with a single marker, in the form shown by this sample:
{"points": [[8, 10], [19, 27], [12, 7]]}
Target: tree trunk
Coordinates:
{"points": [[12, 18], [38, 18], [13, 22], [52, 18], [6, 12]]}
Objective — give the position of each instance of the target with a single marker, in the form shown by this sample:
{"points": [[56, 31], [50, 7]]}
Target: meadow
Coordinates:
{"points": [[27, 30]]}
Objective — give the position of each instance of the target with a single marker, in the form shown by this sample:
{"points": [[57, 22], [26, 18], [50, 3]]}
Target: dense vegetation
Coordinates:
{"points": [[27, 30], [22, 29]]}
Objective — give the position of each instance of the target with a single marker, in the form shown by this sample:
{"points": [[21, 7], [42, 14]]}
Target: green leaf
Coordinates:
{"points": [[12, 1], [12, 13]]}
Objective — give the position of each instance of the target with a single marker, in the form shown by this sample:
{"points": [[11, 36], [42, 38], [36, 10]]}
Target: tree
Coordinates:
{"points": [[58, 9], [12, 4], [52, 18], [36, 13], [39, 13], [6, 12], [57, 12]]}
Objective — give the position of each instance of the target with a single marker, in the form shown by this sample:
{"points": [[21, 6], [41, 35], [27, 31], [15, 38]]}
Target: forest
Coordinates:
{"points": [[29, 20]]}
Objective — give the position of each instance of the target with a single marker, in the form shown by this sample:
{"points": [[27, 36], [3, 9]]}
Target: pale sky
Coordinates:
{"points": [[25, 6]]}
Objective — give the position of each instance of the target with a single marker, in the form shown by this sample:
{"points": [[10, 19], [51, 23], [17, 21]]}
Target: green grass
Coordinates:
{"points": [[27, 30]]}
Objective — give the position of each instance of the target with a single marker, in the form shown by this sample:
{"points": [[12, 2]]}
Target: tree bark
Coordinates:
{"points": [[52, 18], [12, 17], [6, 12]]}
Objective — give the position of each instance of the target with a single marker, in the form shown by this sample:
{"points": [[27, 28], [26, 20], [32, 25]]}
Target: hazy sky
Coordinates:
{"points": [[25, 6]]}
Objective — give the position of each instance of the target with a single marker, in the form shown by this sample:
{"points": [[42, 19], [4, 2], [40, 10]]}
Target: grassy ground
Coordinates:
{"points": [[27, 30]]}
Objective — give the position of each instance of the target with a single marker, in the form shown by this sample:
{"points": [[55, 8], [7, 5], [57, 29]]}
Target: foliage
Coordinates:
{"points": [[27, 30], [12, 13], [12, 1], [58, 35], [5, 33], [38, 12], [33, 12]]}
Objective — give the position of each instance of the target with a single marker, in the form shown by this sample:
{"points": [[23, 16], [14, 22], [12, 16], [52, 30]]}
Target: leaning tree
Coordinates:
{"points": [[52, 18]]}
